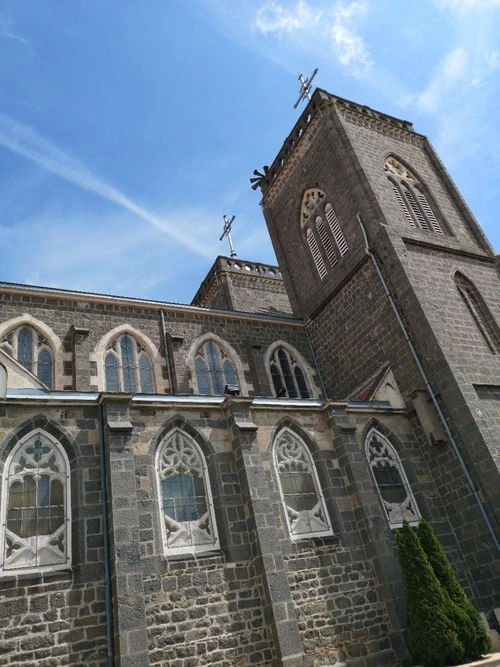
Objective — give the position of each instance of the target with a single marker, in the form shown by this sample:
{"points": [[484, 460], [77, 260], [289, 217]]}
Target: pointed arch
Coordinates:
{"points": [[215, 363], [479, 311], [390, 478], [184, 493], [35, 514], [34, 345], [288, 370], [127, 360], [299, 487], [413, 197]]}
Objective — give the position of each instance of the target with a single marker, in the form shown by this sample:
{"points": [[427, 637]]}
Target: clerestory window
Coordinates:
{"points": [[411, 197], [392, 485], [288, 378], [214, 369], [303, 501], [32, 350], [188, 521], [35, 514], [128, 367]]}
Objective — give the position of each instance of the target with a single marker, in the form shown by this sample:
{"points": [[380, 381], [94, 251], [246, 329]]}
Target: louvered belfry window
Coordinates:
{"points": [[479, 311], [410, 195], [323, 234], [32, 350]]}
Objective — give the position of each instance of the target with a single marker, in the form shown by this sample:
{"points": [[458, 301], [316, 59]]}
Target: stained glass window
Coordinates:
{"points": [[186, 501], [214, 369], [31, 350], [287, 375], [128, 367]]}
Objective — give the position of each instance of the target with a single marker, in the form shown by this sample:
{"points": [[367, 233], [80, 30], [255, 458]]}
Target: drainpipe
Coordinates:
{"points": [[433, 396], [105, 529], [167, 351], [315, 359]]}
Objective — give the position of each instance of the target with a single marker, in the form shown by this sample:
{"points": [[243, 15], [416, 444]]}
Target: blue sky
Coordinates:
{"points": [[128, 128]]}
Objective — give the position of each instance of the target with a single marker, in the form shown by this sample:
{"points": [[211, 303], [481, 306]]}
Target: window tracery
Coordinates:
{"points": [[31, 350], [411, 197], [287, 375], [305, 508], [188, 521], [35, 509], [479, 311], [128, 367], [390, 479], [214, 369]]}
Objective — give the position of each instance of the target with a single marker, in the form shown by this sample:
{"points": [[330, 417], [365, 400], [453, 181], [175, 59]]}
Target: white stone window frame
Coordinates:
{"points": [[307, 461], [412, 198], [202, 547], [395, 513], [230, 353], [102, 347], [302, 363], [54, 344], [35, 569]]}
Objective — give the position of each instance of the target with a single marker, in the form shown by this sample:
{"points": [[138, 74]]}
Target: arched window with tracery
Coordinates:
{"points": [[188, 520], [287, 375], [128, 367], [32, 350], [300, 489], [390, 479], [214, 369], [411, 197], [35, 514], [479, 311], [324, 235]]}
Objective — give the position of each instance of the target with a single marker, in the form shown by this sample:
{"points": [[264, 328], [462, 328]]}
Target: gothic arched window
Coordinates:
{"points": [[127, 367], [323, 233], [214, 369], [299, 486], [479, 311], [288, 377], [188, 521], [411, 197], [35, 511], [32, 350], [390, 479]]}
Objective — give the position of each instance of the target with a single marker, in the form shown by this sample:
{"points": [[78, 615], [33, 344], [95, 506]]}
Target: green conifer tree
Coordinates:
{"points": [[432, 637], [469, 624]]}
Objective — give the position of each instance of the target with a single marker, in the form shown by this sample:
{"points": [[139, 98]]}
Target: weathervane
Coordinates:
{"points": [[227, 232], [305, 88]]}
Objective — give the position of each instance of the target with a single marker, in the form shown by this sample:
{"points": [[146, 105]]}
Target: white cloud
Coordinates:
{"points": [[452, 69], [462, 7], [6, 30], [274, 17], [348, 45], [26, 141]]}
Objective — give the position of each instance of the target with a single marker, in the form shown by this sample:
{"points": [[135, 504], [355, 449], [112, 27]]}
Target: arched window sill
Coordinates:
{"points": [[64, 572]]}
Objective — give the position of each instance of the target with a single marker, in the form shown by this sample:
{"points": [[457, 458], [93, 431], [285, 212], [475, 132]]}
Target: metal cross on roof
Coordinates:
{"points": [[305, 88], [227, 232]]}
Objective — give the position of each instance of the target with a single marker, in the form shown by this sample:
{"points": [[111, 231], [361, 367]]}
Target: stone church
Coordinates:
{"points": [[219, 483]]}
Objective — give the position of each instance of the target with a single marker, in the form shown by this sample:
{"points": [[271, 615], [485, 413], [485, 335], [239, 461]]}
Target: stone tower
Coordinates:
{"points": [[388, 267]]}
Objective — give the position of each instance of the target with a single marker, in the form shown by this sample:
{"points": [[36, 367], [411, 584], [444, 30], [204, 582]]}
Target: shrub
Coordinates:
{"points": [[432, 635], [469, 624]]}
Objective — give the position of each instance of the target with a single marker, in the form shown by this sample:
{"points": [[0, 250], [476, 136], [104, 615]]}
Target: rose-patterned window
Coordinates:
{"points": [[214, 369], [188, 521], [31, 350], [288, 377], [392, 485], [128, 367], [305, 508], [35, 512]]}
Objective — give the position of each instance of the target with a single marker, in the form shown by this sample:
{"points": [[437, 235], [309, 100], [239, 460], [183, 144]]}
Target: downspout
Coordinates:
{"points": [[105, 529], [315, 359], [166, 350], [433, 396]]}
